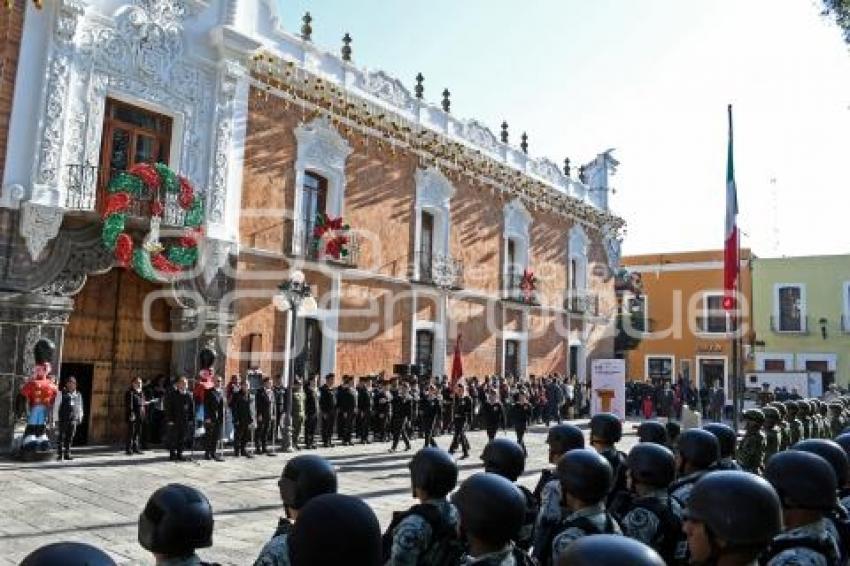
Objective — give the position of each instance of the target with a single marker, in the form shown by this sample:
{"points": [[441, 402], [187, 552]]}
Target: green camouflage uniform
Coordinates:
{"points": [[751, 449], [771, 432]]}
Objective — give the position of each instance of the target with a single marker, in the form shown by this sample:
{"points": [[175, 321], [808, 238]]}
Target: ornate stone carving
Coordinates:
{"points": [[39, 225], [320, 143], [517, 219], [215, 255], [433, 188], [480, 136], [548, 171], [153, 32], [229, 76], [387, 88]]}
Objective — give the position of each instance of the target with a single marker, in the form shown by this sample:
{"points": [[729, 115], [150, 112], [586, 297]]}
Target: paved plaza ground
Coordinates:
{"points": [[97, 497]]}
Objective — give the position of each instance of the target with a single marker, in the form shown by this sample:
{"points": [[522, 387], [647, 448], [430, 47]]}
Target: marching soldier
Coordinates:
{"points": [[431, 415], [752, 447], [402, 407], [521, 413], [653, 517], [213, 420], [771, 432], [382, 410], [242, 413], [462, 414], [265, 402], [311, 413], [327, 406], [494, 414], [179, 414], [346, 399], [806, 486], [364, 409]]}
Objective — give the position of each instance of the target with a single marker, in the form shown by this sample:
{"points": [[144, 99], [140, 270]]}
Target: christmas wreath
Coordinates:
{"points": [[528, 284], [333, 234], [152, 260]]}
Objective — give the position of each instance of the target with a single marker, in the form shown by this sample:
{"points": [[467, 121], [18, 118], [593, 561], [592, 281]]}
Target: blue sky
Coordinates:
{"points": [[650, 78]]}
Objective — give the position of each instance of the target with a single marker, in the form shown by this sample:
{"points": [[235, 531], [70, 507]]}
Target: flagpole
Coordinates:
{"points": [[734, 315]]}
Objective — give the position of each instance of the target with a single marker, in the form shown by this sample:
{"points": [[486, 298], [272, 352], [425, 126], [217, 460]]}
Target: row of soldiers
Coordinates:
{"points": [[778, 425]]}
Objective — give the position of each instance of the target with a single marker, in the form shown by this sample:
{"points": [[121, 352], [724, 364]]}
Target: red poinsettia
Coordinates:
{"points": [[191, 237], [187, 193], [147, 173], [163, 265], [528, 284]]}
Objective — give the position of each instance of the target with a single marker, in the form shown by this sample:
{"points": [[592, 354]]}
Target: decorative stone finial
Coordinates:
{"points": [[306, 29], [582, 174], [447, 104], [420, 89], [346, 47], [567, 167], [504, 134], [524, 143]]}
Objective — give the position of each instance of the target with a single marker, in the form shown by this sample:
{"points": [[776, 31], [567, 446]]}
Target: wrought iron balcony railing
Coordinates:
{"points": [[346, 252], [582, 302], [515, 292], [439, 270]]}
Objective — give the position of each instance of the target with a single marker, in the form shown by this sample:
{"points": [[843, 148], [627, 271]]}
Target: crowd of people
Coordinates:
{"points": [[698, 496], [251, 411]]}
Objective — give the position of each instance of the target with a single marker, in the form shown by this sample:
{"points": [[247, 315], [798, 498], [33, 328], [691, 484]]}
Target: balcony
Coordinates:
{"points": [[344, 253], [515, 293], [582, 303], [86, 192], [798, 326], [441, 271]]}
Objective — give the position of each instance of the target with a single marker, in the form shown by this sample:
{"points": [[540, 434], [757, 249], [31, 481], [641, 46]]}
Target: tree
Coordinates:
{"points": [[839, 10]]}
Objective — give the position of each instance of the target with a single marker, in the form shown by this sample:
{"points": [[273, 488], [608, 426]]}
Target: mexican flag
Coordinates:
{"points": [[731, 261]]}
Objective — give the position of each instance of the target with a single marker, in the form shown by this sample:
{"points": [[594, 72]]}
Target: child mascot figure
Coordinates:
{"points": [[206, 381], [40, 392]]}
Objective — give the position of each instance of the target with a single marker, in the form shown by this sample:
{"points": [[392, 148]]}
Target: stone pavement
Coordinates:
{"points": [[97, 497]]}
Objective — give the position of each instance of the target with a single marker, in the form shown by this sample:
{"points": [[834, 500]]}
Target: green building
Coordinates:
{"points": [[801, 312]]}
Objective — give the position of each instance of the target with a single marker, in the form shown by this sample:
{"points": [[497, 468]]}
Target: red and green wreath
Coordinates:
{"points": [[528, 284], [331, 237], [151, 260]]}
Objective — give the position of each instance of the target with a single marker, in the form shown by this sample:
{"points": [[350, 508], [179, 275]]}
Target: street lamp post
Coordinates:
{"points": [[294, 293]]}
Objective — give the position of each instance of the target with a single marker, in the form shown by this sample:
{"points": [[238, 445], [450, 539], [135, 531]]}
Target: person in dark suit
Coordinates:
{"points": [[242, 413], [327, 406], [381, 406], [364, 409], [346, 402], [402, 407], [461, 415], [311, 413], [134, 415], [265, 418], [432, 411], [213, 419], [179, 413]]}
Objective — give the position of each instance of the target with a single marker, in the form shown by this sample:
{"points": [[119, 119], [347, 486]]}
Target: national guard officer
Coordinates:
{"points": [[698, 452], [491, 511], [606, 430], [67, 554], [586, 479], [242, 412], [653, 516], [752, 446], [506, 458], [176, 521], [561, 439], [303, 478], [730, 518], [179, 413], [430, 527], [311, 413], [327, 407], [771, 432], [728, 440], [364, 409], [356, 533], [213, 420], [609, 550], [652, 431], [346, 400], [806, 486]]}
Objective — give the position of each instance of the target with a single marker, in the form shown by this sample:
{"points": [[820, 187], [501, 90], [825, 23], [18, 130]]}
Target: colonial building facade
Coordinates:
{"points": [[413, 227]]}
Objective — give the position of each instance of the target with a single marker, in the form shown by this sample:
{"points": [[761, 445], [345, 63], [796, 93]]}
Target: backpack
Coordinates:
{"points": [[526, 533], [544, 553], [670, 540], [445, 547], [778, 546]]}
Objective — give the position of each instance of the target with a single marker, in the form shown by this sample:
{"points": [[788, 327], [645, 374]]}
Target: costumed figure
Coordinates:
{"points": [[206, 381], [40, 393]]}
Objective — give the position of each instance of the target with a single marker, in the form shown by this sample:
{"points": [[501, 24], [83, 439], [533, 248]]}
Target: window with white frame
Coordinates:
{"points": [[713, 319], [789, 308], [516, 242], [659, 367], [577, 275], [432, 226]]}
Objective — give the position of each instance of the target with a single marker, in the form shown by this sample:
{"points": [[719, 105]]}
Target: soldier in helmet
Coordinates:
{"points": [[429, 527], [506, 458], [609, 550], [806, 486], [771, 432], [304, 477], [730, 518], [356, 533], [491, 513], [698, 452], [804, 414], [782, 426], [795, 425], [752, 446], [176, 521], [728, 440], [67, 554], [561, 439], [653, 517], [586, 478], [652, 431], [606, 430]]}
